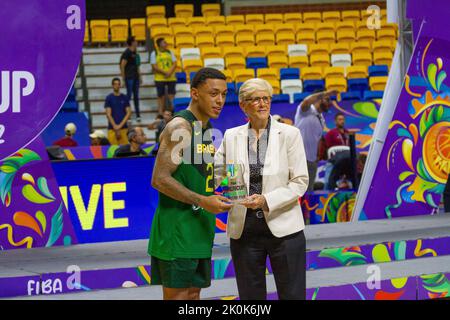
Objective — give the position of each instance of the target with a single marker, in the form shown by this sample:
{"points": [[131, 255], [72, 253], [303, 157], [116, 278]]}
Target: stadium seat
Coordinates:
{"points": [[377, 83], [319, 60], [334, 72], [260, 29], [180, 103], [254, 18], [277, 61], [386, 34], [382, 58], [285, 28], [137, 26], [224, 41], [299, 97], [255, 51], [298, 62], [119, 30], [228, 74], [390, 26], [280, 98], [244, 40], [306, 37], [345, 26], [192, 65], [305, 27], [312, 17], [86, 32], [99, 31], [231, 99], [204, 31], [325, 37], [233, 52], [183, 90], [285, 39], [340, 48], [256, 62], [235, 63], [326, 27], [355, 72], [319, 48], [216, 63], [345, 36], [358, 84], [331, 16], [213, 21], [265, 40], [351, 15], [244, 29], [365, 35], [155, 12], [289, 73], [341, 60], [235, 20], [291, 87], [371, 95], [177, 22], [70, 106], [190, 54], [181, 77], [160, 32], [204, 41], [276, 86], [360, 47], [378, 71], [275, 18], [351, 95], [238, 86], [184, 42], [338, 84], [231, 88], [311, 73], [224, 31], [366, 14], [360, 26], [210, 9], [184, 10], [313, 85], [211, 52], [156, 23], [195, 22], [382, 46], [364, 59], [180, 32], [297, 50], [241, 75], [268, 74], [293, 17], [274, 50]]}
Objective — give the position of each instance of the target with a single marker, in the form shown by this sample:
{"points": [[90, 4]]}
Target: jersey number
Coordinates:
{"points": [[210, 176]]}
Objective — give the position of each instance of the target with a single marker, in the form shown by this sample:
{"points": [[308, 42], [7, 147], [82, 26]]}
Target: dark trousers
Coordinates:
{"points": [[287, 259], [133, 89]]}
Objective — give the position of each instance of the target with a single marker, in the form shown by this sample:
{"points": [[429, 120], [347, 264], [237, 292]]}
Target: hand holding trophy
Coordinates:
{"points": [[233, 186]]}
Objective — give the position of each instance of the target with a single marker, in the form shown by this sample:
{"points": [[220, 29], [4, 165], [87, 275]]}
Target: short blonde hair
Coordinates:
{"points": [[251, 86]]}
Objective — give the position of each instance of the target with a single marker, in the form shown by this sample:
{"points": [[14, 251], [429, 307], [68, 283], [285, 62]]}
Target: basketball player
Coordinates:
{"points": [[183, 227]]}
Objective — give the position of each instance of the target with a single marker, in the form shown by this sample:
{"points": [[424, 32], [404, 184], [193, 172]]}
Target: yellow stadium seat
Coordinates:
{"points": [[265, 39], [386, 34], [345, 36], [268, 74], [137, 26], [277, 61], [338, 84], [254, 18], [334, 72], [228, 74], [177, 22], [383, 13], [243, 29], [306, 37], [311, 73], [280, 50], [285, 38], [285, 28], [155, 12], [183, 32], [305, 27], [314, 17], [390, 26], [363, 58], [161, 32], [255, 51], [275, 18], [264, 29], [361, 25], [380, 46], [184, 10], [365, 35], [365, 14], [275, 86], [204, 31], [326, 26], [234, 20], [196, 22], [241, 75], [293, 17], [211, 52], [351, 15], [215, 20], [245, 40], [383, 57], [184, 42], [235, 63], [345, 26], [325, 36], [377, 83], [99, 31], [192, 65], [224, 31], [319, 48], [354, 72], [319, 60], [86, 32], [340, 48], [224, 40], [204, 41], [360, 47], [298, 62], [210, 9], [331, 16], [156, 23], [233, 52]]}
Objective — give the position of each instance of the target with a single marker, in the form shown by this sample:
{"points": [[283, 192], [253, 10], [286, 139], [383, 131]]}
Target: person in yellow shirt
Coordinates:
{"points": [[164, 62]]}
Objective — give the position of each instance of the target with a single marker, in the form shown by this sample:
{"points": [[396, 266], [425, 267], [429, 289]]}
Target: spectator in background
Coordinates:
{"points": [[160, 123], [131, 75], [68, 140], [98, 138], [310, 121], [118, 112], [339, 135], [137, 138], [163, 63]]}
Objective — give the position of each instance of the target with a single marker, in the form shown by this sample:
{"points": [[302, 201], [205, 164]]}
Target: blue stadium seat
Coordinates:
{"points": [[370, 95], [313, 85], [289, 73], [231, 88], [351, 95], [280, 98], [192, 75], [299, 97], [378, 71], [70, 106], [238, 86], [231, 99], [180, 103], [181, 77], [256, 63], [358, 84], [72, 96]]}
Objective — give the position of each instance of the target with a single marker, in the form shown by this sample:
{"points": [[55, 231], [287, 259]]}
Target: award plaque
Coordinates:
{"points": [[233, 186]]}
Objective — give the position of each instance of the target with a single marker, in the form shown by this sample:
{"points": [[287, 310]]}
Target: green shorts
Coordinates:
{"points": [[181, 273]]}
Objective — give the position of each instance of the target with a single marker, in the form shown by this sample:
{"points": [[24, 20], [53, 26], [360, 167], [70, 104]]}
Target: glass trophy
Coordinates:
{"points": [[233, 186]]}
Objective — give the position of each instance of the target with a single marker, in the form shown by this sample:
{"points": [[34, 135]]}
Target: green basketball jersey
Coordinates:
{"points": [[179, 231]]}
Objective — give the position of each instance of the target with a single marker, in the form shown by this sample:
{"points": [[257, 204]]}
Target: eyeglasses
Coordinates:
{"points": [[257, 100]]}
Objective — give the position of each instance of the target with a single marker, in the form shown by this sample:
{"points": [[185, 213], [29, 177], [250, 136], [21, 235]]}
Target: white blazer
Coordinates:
{"points": [[285, 177]]}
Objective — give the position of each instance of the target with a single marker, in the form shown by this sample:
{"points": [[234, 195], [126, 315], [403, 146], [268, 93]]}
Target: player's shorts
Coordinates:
{"points": [[181, 273]]}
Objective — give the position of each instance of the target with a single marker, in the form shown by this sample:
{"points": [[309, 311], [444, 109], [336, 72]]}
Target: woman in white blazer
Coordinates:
{"points": [[270, 222]]}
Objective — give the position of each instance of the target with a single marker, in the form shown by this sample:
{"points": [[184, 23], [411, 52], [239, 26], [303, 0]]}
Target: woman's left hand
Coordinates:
{"points": [[256, 201]]}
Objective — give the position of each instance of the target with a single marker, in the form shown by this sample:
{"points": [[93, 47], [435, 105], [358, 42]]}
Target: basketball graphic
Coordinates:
{"points": [[436, 151]]}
